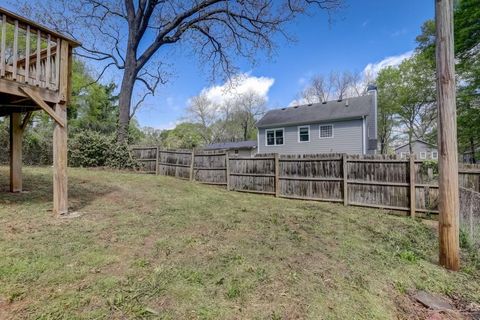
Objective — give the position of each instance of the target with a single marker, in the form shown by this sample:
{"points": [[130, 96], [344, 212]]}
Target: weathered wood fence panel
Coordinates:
{"points": [[252, 174], [371, 181], [210, 167]]}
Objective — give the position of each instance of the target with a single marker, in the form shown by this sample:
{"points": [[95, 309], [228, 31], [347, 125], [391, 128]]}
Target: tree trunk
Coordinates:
{"points": [[125, 97]]}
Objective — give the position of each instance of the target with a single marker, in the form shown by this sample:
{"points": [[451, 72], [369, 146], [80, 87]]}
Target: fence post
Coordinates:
{"points": [[412, 185], [156, 161], [277, 175], [227, 169], [192, 175], [345, 179]]}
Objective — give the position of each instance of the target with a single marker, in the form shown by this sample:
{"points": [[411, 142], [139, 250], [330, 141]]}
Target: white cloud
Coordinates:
{"points": [[372, 69], [241, 84]]}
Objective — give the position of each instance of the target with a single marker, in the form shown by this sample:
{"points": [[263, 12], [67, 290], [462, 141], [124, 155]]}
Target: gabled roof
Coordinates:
{"points": [[232, 145], [318, 112], [416, 140]]}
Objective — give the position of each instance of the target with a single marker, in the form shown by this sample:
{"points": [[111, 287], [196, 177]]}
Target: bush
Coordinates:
{"points": [[92, 149]]}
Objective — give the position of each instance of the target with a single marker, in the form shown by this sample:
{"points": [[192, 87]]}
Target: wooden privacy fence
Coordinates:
{"points": [[369, 181]]}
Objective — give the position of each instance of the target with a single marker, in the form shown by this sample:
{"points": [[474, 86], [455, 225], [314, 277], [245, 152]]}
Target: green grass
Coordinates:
{"points": [[159, 248]]}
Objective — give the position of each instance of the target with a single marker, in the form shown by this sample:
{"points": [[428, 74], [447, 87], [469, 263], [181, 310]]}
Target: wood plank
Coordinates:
{"points": [[378, 160], [309, 159], [173, 164], [38, 100], [15, 51], [310, 198], [209, 154], [157, 162], [27, 55], [212, 169], [192, 166], [252, 174], [345, 179], [411, 181], [38, 70], [379, 183], [255, 191], [13, 88], [227, 174], [213, 183], [277, 175], [16, 136], [326, 179], [57, 63], [2, 45], [48, 63], [378, 206], [252, 158]]}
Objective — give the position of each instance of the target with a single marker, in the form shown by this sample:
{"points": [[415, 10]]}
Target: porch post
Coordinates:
{"points": [[16, 135], [60, 182]]}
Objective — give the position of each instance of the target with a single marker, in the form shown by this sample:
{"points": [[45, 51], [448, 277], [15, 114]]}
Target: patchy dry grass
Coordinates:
{"points": [[157, 247]]}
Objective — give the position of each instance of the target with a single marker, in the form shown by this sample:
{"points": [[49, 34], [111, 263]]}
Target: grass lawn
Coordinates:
{"points": [[158, 247]]}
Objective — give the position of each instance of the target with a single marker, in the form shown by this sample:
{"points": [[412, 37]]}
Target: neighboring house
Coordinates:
{"points": [[343, 126], [239, 149], [422, 150]]}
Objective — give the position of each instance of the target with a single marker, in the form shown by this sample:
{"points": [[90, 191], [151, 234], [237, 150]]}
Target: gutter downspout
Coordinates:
{"points": [[258, 140], [363, 135]]}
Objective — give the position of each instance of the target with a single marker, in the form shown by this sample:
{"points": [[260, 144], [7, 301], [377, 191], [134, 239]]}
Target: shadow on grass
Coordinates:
{"points": [[38, 189]]}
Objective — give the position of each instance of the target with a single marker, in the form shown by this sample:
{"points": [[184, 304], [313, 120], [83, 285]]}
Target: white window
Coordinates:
{"points": [[326, 131], [423, 155], [304, 134], [434, 155], [274, 137], [404, 155]]}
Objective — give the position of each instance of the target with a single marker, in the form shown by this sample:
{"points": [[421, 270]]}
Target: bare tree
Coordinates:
{"points": [[203, 111], [128, 34], [337, 84], [249, 106]]}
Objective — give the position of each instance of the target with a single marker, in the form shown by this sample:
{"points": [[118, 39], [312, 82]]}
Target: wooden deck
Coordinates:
{"points": [[35, 74]]}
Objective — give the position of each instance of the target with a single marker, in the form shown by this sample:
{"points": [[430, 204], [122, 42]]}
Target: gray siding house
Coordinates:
{"points": [[239, 149], [343, 126], [422, 150]]}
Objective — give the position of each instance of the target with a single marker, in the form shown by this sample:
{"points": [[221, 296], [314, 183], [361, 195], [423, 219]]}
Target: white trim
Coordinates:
{"points": [[436, 155], [320, 130], [298, 133], [274, 137], [423, 155]]}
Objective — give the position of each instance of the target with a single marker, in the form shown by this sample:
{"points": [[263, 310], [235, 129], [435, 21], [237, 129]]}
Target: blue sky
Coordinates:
{"points": [[365, 32]]}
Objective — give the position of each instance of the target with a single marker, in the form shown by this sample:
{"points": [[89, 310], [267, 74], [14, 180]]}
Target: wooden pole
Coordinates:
{"points": [[412, 185], [277, 175], [227, 171], [16, 134], [448, 206], [345, 179]]}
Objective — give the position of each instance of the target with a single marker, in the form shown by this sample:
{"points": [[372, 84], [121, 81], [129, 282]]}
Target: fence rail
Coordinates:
{"points": [[387, 182]]}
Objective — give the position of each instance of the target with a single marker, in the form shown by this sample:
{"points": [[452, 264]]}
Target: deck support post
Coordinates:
{"points": [[60, 182], [16, 136]]}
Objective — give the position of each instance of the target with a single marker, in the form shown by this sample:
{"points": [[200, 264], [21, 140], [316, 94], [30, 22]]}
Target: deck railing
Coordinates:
{"points": [[28, 53]]}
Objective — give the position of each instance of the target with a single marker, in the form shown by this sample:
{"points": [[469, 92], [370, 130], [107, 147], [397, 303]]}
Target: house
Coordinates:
{"points": [[341, 126], [239, 149], [422, 149]]}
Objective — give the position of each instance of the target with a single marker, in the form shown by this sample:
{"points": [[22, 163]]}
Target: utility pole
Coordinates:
{"points": [[447, 138]]}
